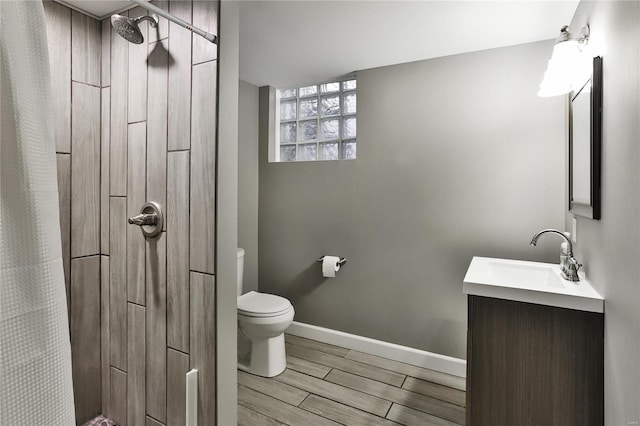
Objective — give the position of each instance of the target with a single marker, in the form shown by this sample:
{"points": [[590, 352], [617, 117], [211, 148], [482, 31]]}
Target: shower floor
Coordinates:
{"points": [[100, 421], [328, 385]]}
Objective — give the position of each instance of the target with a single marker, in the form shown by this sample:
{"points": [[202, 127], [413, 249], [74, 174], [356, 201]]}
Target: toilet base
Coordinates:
{"points": [[267, 357]]}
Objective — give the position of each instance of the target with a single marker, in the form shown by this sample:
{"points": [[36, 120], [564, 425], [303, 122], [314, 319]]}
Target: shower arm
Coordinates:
{"points": [[153, 20], [155, 9]]}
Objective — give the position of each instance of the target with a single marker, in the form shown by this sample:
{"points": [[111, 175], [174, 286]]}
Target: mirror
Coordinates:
{"points": [[585, 145]]}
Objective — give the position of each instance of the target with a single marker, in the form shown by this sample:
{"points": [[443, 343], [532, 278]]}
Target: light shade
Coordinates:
{"points": [[568, 68]]}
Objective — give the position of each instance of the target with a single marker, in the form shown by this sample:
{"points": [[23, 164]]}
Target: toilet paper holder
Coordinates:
{"points": [[341, 262]]}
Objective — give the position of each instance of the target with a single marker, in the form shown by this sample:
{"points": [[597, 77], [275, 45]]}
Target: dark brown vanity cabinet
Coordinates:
{"points": [[531, 364]]}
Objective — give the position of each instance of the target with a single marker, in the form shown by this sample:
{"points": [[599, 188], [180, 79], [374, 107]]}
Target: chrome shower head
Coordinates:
{"points": [[128, 28]]}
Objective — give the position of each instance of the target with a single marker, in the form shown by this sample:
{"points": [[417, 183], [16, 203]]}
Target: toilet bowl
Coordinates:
{"points": [[262, 321]]}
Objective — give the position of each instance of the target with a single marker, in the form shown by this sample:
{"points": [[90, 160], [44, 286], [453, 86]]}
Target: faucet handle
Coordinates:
{"points": [[575, 263], [572, 269]]}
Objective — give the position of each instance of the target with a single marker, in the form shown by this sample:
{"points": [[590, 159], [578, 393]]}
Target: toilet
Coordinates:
{"points": [[262, 320]]}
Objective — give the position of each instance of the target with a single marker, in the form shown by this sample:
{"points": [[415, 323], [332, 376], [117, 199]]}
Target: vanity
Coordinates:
{"points": [[535, 346]]}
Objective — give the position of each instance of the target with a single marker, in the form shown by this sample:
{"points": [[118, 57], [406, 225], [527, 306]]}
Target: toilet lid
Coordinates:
{"points": [[256, 304]]}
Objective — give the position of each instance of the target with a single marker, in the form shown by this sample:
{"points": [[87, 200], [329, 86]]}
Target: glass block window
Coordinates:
{"points": [[318, 122]]}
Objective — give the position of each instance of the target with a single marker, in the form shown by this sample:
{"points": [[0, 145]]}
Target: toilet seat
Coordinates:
{"points": [[254, 304]]}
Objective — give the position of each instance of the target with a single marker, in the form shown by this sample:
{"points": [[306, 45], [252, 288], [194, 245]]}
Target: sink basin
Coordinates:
{"points": [[531, 282], [523, 275]]}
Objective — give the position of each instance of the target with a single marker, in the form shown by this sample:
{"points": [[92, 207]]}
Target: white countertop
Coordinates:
{"points": [[531, 282]]}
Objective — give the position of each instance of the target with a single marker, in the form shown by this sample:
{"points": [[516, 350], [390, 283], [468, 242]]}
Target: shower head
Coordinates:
{"points": [[128, 28]]}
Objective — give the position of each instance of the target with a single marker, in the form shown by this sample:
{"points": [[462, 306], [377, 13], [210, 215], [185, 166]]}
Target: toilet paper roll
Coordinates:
{"points": [[330, 266]]}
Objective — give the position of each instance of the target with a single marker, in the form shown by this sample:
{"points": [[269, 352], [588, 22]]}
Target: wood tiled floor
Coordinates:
{"points": [[329, 385]]}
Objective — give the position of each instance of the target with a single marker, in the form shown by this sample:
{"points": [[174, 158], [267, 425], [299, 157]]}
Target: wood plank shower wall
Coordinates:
{"points": [[135, 123]]}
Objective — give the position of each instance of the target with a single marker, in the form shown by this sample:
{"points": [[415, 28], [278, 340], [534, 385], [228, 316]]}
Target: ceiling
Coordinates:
{"points": [[289, 43], [295, 42], [98, 8]]}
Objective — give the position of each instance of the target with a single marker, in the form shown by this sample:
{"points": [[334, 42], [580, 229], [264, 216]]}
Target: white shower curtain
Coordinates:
{"points": [[35, 352]]}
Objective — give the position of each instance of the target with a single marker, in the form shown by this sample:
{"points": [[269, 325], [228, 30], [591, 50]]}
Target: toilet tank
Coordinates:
{"points": [[240, 270]]}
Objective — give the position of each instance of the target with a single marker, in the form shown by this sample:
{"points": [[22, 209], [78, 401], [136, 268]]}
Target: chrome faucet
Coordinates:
{"points": [[568, 264]]}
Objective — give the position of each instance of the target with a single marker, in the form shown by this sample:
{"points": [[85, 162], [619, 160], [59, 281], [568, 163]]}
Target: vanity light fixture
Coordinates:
{"points": [[569, 66]]}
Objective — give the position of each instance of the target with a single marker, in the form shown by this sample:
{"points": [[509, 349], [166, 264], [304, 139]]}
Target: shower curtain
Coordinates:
{"points": [[35, 352]]}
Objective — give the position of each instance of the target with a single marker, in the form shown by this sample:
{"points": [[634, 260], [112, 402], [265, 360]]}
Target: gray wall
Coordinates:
{"points": [[610, 247], [248, 182], [457, 157]]}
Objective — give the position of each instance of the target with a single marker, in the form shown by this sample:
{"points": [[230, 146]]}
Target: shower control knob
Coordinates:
{"points": [[150, 219], [144, 219]]}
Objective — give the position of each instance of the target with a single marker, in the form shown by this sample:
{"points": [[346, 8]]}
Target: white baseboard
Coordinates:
{"points": [[424, 359]]}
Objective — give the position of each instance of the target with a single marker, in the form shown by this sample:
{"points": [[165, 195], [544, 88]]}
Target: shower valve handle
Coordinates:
{"points": [[144, 219], [150, 219]]}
